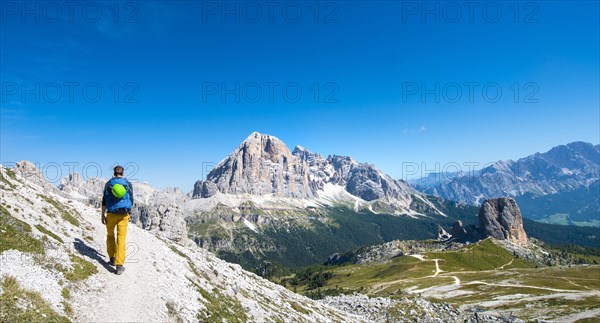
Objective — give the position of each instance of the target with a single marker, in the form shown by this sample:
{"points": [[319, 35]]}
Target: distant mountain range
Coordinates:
{"points": [[558, 186]]}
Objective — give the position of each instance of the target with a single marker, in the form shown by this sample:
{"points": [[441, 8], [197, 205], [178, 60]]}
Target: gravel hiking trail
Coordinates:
{"points": [[139, 293]]}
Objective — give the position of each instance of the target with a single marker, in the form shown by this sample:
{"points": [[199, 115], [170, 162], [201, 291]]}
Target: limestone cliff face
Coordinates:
{"points": [[261, 165], [153, 210], [501, 218], [26, 170]]}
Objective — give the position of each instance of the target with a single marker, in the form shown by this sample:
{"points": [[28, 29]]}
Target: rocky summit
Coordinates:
{"points": [[261, 165], [264, 165]]}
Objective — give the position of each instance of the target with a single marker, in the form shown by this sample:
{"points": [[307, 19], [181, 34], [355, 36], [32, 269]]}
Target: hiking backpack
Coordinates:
{"points": [[118, 205]]}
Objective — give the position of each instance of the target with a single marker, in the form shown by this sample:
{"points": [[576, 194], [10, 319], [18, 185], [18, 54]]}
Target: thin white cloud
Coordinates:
{"points": [[414, 130]]}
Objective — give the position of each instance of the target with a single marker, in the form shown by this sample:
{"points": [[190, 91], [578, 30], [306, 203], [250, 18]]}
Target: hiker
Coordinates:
{"points": [[117, 199]]}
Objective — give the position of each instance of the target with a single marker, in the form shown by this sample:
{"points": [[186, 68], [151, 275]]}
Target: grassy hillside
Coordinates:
{"points": [[484, 255], [482, 276]]}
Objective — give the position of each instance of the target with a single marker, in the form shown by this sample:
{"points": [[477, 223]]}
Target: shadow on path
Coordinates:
{"points": [[86, 250]]}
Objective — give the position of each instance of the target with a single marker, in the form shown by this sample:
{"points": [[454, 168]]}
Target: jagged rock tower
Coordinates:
{"points": [[501, 218]]}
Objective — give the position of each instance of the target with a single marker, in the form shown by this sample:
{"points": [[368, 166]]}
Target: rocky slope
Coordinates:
{"points": [[383, 309], [563, 168], [160, 211], [53, 249]]}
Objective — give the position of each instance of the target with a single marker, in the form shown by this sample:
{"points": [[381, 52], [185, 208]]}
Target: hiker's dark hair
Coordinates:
{"points": [[118, 170]]}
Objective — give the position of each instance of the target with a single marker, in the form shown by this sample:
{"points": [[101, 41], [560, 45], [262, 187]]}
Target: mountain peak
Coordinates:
{"points": [[264, 146], [257, 137], [263, 165], [304, 154], [580, 144], [260, 165], [300, 148]]}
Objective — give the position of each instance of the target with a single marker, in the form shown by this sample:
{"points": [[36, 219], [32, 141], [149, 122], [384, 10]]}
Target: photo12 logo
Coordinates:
{"points": [[470, 12], [423, 173], [269, 92], [469, 92], [70, 12], [69, 92], [53, 172], [442, 172], [271, 12]]}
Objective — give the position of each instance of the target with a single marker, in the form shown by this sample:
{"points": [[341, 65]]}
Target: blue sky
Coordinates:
{"points": [[379, 81]]}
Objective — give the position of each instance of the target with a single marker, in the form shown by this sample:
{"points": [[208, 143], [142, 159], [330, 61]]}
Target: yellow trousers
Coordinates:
{"points": [[116, 249]]}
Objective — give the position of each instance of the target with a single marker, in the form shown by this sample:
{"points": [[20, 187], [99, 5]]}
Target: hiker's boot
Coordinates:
{"points": [[120, 269], [111, 261]]}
